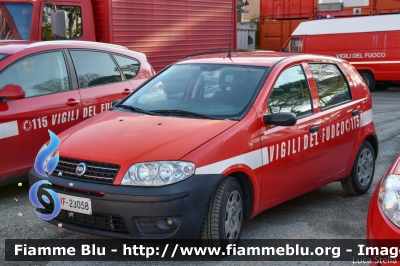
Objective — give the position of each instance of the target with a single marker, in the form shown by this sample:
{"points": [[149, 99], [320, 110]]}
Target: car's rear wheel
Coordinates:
{"points": [[362, 172], [223, 222]]}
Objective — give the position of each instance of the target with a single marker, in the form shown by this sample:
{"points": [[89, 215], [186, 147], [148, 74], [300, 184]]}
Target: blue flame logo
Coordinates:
{"points": [[45, 165], [44, 156], [35, 201]]}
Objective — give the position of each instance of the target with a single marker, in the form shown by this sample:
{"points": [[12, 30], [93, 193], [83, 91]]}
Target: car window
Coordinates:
{"points": [[128, 66], [291, 93], [73, 22], [2, 56], [331, 84], [223, 91], [95, 68], [39, 74]]}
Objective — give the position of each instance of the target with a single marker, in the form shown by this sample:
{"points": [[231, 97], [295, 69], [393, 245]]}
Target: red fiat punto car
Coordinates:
{"points": [[55, 85], [212, 141]]}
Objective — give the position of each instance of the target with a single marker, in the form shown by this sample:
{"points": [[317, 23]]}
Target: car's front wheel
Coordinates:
{"points": [[362, 172], [223, 221]]}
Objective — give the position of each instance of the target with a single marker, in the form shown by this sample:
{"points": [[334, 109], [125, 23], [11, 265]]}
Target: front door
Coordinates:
{"points": [[49, 104], [290, 153]]}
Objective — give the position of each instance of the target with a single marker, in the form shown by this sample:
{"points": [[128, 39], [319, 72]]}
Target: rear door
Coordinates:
{"points": [[340, 126], [49, 104], [101, 80]]}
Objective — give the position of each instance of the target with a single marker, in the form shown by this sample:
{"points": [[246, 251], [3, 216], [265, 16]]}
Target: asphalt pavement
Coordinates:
{"points": [[325, 213]]}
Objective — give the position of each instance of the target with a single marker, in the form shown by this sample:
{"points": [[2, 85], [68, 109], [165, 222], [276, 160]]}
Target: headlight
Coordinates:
{"points": [[158, 173], [389, 198]]}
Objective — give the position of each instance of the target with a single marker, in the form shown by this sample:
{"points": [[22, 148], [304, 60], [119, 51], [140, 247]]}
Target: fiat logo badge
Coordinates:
{"points": [[80, 169]]}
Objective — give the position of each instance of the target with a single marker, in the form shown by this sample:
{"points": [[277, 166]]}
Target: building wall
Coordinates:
{"points": [[254, 10]]}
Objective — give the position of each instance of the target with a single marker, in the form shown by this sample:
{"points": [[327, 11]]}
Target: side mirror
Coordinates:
{"points": [[115, 102], [280, 119], [12, 92], [58, 24]]}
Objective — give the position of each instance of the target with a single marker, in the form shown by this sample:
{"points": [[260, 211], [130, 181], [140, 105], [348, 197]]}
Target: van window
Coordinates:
{"points": [[95, 68], [295, 45], [291, 93], [73, 23], [15, 21], [40, 74], [331, 84]]}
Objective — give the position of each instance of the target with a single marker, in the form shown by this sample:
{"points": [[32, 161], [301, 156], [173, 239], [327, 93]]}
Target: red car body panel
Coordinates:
{"points": [[30, 118], [379, 228], [378, 225]]}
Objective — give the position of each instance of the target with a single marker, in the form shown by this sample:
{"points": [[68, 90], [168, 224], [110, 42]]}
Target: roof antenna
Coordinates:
{"points": [[230, 33]]}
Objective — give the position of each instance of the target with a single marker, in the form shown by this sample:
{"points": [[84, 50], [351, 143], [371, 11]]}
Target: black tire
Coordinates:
{"points": [[369, 80], [223, 222], [362, 172]]}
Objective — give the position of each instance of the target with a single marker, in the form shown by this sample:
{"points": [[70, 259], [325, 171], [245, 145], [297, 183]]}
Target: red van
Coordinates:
{"points": [[370, 44]]}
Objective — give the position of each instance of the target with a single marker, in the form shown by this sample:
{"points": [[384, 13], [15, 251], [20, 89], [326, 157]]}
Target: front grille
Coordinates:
{"points": [[95, 172], [96, 221]]}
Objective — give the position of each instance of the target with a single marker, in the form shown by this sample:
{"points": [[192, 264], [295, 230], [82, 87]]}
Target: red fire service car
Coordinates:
{"points": [[212, 141], [55, 85], [384, 213]]}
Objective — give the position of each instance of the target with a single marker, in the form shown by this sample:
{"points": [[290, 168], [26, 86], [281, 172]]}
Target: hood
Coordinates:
{"points": [[126, 138]]}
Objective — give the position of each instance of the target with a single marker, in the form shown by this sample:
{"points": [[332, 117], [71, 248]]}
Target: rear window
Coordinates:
{"points": [[2, 56], [331, 84]]}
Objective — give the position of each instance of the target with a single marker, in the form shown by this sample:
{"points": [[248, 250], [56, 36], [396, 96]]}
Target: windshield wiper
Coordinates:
{"points": [[135, 109], [184, 113]]}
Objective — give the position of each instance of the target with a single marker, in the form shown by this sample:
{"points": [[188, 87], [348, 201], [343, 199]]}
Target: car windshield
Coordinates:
{"points": [[208, 90], [2, 56], [15, 21]]}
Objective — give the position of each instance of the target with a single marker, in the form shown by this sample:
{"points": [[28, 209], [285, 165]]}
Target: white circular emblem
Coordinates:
{"points": [[80, 169], [27, 125]]}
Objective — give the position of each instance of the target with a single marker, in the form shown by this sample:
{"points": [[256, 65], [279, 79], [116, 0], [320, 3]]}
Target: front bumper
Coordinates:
{"points": [[135, 212]]}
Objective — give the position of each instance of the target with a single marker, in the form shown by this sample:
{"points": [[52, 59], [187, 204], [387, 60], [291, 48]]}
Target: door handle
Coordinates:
{"points": [[355, 112], [313, 129], [72, 102], [126, 91]]}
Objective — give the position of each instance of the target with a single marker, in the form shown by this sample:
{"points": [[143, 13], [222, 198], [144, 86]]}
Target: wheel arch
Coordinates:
{"points": [[248, 192], [373, 139]]}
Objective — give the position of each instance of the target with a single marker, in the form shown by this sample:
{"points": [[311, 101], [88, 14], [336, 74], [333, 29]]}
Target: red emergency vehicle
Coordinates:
{"points": [[212, 141], [371, 44], [383, 224], [166, 31], [55, 85]]}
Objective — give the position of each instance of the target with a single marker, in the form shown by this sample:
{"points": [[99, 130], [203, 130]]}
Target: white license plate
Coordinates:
{"points": [[75, 204]]}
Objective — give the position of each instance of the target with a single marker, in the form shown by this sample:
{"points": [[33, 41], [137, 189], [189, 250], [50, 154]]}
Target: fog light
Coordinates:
{"points": [[170, 222]]}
